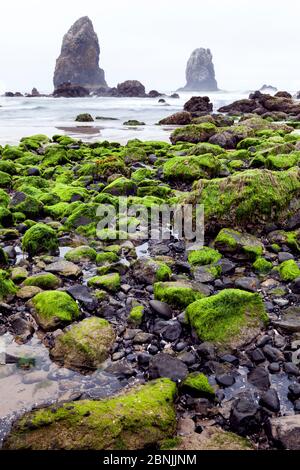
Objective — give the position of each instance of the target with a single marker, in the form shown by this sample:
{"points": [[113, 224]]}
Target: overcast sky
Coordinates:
{"points": [[252, 41]]}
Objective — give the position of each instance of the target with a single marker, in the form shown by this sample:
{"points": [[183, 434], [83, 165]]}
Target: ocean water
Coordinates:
{"points": [[21, 117]]}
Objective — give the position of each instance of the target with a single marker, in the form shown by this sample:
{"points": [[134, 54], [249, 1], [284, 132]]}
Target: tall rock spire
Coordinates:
{"points": [[78, 62]]}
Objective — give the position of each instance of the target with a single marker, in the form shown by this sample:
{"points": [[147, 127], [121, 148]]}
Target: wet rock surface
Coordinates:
{"points": [[171, 310]]}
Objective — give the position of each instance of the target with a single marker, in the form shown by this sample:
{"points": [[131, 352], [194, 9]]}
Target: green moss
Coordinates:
{"points": [[7, 287], [179, 294], [6, 217], [227, 317], [262, 265], [108, 234], [136, 315], [81, 253], [8, 167], [85, 344], [67, 193], [40, 239], [121, 187], [139, 419], [198, 382], [289, 270], [84, 214], [193, 133], [204, 256], [142, 174], [249, 197], [282, 162], [154, 189], [232, 241], [19, 274], [190, 168], [169, 444], [44, 281], [110, 282], [108, 257], [5, 179], [54, 307], [4, 198], [203, 148], [28, 205]]}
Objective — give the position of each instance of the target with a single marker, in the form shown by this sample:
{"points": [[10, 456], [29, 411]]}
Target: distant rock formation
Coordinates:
{"points": [[127, 89], [200, 72], [265, 105], [268, 89], [78, 62]]}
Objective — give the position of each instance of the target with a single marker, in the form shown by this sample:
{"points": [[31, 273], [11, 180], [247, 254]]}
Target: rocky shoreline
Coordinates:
{"points": [[205, 343]]}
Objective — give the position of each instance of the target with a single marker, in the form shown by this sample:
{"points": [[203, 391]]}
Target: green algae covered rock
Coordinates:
{"points": [[179, 293], [229, 319], [140, 418], [28, 205], [110, 282], [7, 287], [3, 257], [193, 133], [190, 168], [136, 315], [84, 117], [151, 270], [121, 187], [53, 308], [289, 270], [204, 256], [232, 241], [81, 253], [38, 239], [43, 280], [262, 266], [249, 197], [198, 383], [85, 344]]}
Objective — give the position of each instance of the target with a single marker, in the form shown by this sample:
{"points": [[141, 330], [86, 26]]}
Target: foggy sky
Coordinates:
{"points": [[252, 41]]}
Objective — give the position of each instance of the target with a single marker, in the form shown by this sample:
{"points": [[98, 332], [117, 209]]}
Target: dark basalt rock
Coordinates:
{"points": [[78, 62], [131, 88], [67, 90], [200, 72], [164, 365], [245, 415], [181, 119], [198, 105], [261, 103]]}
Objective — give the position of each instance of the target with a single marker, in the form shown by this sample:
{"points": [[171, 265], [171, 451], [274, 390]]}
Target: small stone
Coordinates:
{"points": [[250, 284], [263, 340], [286, 431], [244, 415], [64, 268], [161, 308], [230, 359], [257, 356], [142, 338], [164, 365], [225, 380], [273, 354], [188, 358], [284, 256], [143, 359], [294, 391], [259, 377], [173, 331], [274, 367], [291, 369]]}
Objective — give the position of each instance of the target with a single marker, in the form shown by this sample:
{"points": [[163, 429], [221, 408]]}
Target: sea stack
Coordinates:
{"points": [[78, 62], [200, 72]]}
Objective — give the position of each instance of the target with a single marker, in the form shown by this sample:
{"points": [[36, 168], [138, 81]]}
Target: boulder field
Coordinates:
{"points": [[201, 338]]}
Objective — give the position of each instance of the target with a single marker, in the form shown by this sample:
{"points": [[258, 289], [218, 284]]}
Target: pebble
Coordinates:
{"points": [[274, 367], [291, 369], [161, 308], [259, 377], [225, 380], [270, 400]]}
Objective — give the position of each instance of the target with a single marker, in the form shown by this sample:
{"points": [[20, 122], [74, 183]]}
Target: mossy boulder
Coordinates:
{"points": [[84, 345], [81, 254], [242, 244], [249, 197], [136, 315], [38, 239], [179, 293], [281, 237], [54, 308], [151, 270], [5, 180], [213, 439], [193, 133], [197, 383], [4, 198], [106, 258], [110, 282], [84, 117], [7, 287], [28, 205], [138, 419], [229, 319], [204, 256], [191, 168], [121, 187], [289, 270], [262, 266], [46, 281]]}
